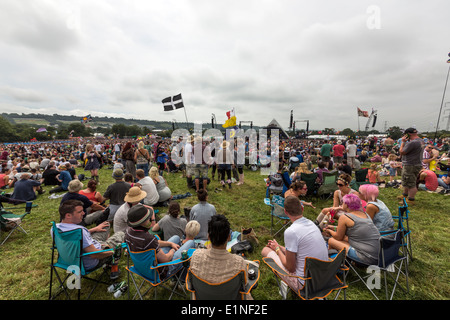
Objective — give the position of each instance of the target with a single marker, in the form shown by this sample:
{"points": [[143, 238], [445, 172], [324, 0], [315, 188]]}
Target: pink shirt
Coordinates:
{"points": [[431, 181]]}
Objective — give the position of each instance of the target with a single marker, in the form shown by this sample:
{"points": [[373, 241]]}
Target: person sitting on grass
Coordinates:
{"points": [[171, 224], [302, 239], [191, 231], [373, 175], [355, 232], [93, 210], [64, 178], [428, 180], [202, 212], [91, 192]]}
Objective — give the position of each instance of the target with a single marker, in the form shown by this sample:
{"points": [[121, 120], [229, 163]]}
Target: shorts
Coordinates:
{"points": [[190, 170], [409, 176], [201, 171], [338, 159]]}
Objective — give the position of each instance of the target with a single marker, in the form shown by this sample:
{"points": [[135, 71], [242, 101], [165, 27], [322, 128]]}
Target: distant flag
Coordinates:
{"points": [[173, 102], [231, 122], [41, 130], [86, 119], [361, 113]]}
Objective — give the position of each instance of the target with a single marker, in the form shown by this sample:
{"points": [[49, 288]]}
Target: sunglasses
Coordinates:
{"points": [[340, 185]]}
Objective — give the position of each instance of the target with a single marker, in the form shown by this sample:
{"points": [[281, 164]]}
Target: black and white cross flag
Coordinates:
{"points": [[172, 103]]}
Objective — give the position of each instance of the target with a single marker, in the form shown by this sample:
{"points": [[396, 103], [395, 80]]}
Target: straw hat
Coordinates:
{"points": [[135, 194]]}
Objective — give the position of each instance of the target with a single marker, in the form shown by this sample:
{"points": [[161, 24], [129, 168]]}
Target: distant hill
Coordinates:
{"points": [[54, 120]]}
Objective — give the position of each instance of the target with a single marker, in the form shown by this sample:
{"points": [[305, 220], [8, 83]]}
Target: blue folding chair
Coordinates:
{"points": [[69, 247], [146, 267], [276, 205], [402, 225], [390, 261]]}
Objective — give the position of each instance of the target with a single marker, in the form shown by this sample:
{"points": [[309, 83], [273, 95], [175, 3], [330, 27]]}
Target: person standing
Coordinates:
{"points": [[325, 152], [351, 153], [338, 153], [91, 157], [411, 150], [142, 158], [128, 158]]}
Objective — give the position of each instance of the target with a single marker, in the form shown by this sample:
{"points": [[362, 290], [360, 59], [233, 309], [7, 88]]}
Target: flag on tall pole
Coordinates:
{"points": [[362, 113], [231, 121], [173, 102]]}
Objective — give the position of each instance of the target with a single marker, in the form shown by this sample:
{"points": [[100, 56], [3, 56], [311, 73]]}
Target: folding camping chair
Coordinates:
{"points": [[328, 186], [276, 205], [389, 261], [9, 222], [146, 267], [69, 247], [360, 178], [321, 277], [403, 225], [235, 288], [311, 182]]}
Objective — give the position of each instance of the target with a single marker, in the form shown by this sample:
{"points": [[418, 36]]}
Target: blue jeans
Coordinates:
{"points": [[143, 167], [177, 255]]}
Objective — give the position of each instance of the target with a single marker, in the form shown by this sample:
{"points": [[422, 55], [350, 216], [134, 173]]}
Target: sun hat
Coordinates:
{"points": [[117, 174], [75, 186], [137, 215], [135, 194]]}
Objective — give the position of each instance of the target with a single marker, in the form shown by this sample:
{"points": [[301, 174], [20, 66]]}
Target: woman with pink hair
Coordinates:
{"points": [[355, 232], [376, 209]]}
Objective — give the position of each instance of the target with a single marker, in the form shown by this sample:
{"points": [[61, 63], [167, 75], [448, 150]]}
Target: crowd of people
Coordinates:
{"points": [[126, 210]]}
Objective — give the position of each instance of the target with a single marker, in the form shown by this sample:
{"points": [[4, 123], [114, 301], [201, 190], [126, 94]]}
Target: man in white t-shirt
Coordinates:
{"points": [[351, 153], [149, 187], [302, 239], [189, 160]]}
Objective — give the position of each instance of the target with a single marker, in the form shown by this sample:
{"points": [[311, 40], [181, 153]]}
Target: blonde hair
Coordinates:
{"points": [[141, 144], [153, 173], [392, 157], [192, 229], [303, 168], [89, 147]]}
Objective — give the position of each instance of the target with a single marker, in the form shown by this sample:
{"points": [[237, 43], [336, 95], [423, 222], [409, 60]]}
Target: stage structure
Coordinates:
{"points": [[292, 125], [250, 122]]}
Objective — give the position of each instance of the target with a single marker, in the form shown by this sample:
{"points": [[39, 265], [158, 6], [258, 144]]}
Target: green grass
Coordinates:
{"points": [[25, 259]]}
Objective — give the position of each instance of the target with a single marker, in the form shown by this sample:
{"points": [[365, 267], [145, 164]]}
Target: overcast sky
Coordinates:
{"points": [[322, 59]]}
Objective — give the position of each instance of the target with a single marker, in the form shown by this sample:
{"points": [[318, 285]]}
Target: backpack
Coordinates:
{"points": [[242, 247]]}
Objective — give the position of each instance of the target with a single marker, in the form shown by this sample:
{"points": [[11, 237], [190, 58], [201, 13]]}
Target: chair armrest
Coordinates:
{"points": [[267, 202], [279, 271]]}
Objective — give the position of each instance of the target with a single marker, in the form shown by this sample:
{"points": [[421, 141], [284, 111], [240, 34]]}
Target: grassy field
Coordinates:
{"points": [[25, 259]]}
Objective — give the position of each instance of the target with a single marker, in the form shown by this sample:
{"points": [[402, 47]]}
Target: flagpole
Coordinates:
{"points": [[187, 122]]}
